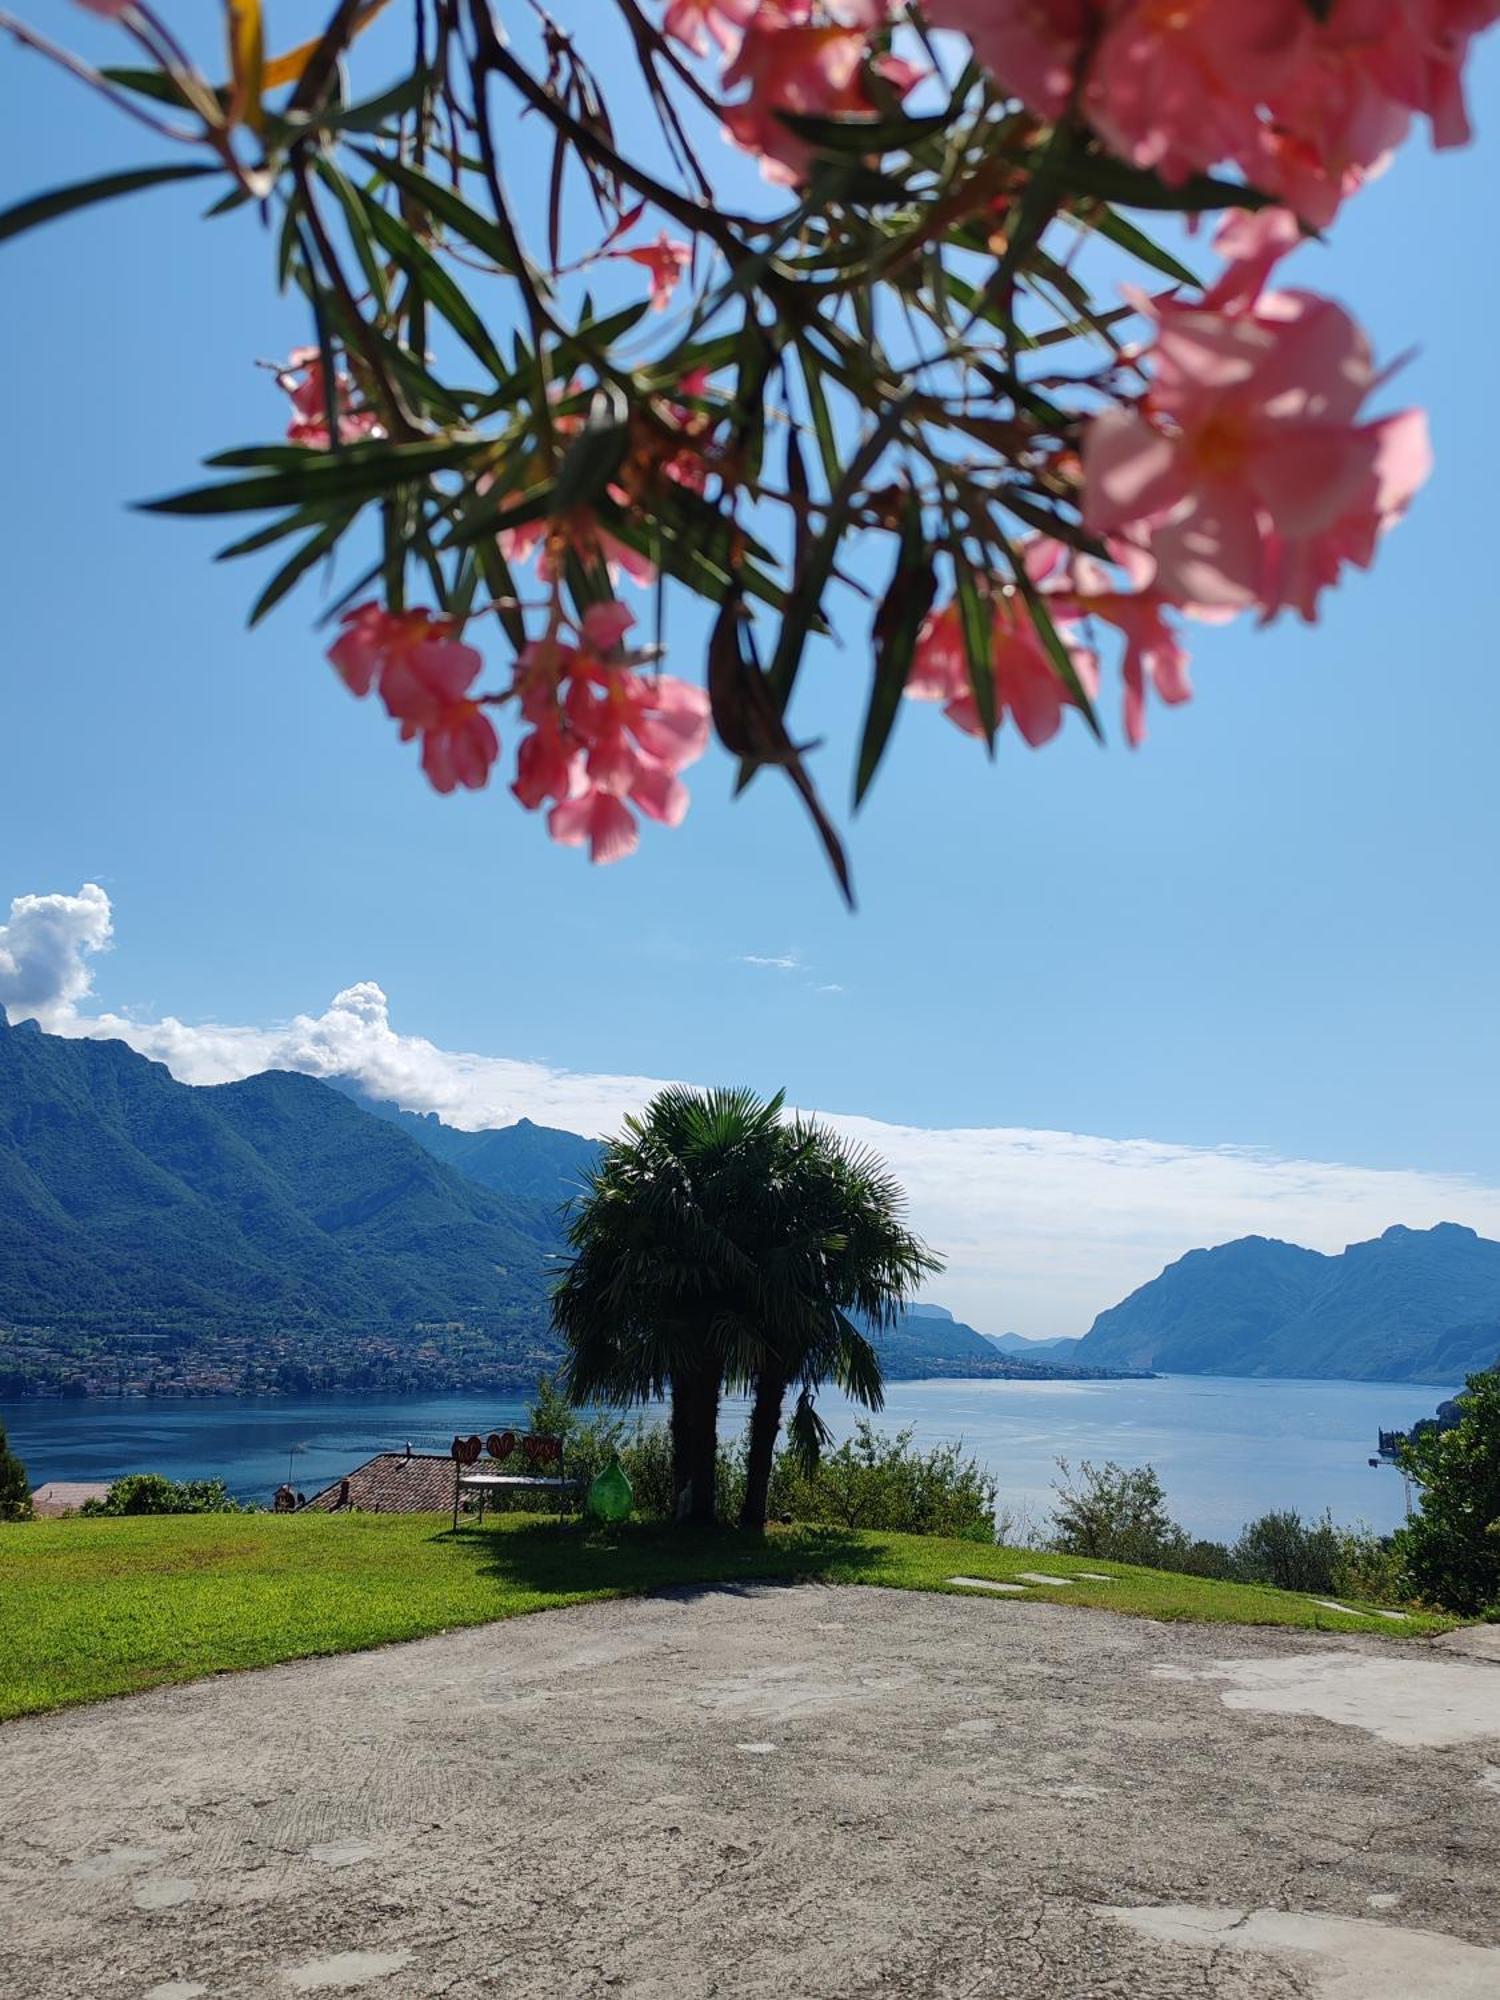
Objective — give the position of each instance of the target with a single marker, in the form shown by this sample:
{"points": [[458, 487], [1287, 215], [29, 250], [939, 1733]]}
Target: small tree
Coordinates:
{"points": [[1282, 1549], [15, 1487], [1113, 1511], [1451, 1551]]}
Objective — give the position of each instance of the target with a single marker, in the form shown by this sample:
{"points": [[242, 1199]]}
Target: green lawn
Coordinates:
{"points": [[90, 1608]]}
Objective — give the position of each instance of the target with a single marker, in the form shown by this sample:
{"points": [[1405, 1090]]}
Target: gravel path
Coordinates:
{"points": [[786, 1792]]}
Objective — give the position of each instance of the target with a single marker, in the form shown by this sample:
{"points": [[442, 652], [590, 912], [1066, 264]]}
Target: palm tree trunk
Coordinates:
{"points": [[695, 1446], [765, 1425]]}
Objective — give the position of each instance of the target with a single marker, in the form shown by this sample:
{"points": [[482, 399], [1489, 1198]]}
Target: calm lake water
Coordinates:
{"points": [[1226, 1449]]}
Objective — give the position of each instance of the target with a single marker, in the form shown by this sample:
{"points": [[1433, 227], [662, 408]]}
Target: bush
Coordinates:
{"points": [[1117, 1513], [1451, 1552], [875, 1480], [879, 1480], [1370, 1567], [15, 1487], [154, 1493], [1289, 1553]]}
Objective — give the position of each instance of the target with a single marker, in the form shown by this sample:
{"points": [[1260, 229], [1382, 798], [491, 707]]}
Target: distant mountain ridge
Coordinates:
{"points": [[251, 1226], [1409, 1305], [537, 1163], [277, 1233]]}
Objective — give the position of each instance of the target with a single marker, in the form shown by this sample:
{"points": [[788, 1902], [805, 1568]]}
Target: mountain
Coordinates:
{"points": [[282, 1234], [535, 1163], [928, 1341], [257, 1219], [1059, 1347], [1411, 1305]]}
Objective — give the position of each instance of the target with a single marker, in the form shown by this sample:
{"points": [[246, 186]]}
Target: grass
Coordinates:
{"points": [[104, 1607]]}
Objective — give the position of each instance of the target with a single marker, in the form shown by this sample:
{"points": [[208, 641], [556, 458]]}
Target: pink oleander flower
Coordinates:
{"points": [[548, 764], [666, 260], [458, 747], [1308, 108], [1176, 84], [1031, 47], [1298, 569], [812, 67], [692, 22], [1026, 686], [605, 737], [1084, 588], [373, 637], [302, 379], [598, 819], [423, 673], [1247, 451]]}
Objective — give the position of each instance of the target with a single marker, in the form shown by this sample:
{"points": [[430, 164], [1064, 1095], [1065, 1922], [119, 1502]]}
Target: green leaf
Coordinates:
{"points": [[1138, 187], [817, 403], [590, 464], [274, 531], [83, 194], [1050, 524], [312, 550], [1041, 618], [1125, 236], [507, 510], [862, 137], [907, 601], [360, 471], [448, 208], [977, 625], [155, 84], [372, 113], [439, 289]]}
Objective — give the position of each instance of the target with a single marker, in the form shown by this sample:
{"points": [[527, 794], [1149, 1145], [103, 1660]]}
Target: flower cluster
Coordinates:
{"points": [[1243, 479], [909, 358], [810, 58], [302, 377], [1245, 476], [1027, 688], [603, 737], [423, 672], [1307, 101]]}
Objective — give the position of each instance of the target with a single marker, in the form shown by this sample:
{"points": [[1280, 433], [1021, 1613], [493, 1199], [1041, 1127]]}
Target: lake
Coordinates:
{"points": [[1226, 1449]]}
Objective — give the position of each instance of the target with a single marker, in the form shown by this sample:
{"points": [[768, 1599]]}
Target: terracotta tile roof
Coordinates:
{"points": [[392, 1483]]}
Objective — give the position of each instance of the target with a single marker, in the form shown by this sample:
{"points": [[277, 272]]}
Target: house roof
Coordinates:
{"points": [[392, 1482], [60, 1496]]}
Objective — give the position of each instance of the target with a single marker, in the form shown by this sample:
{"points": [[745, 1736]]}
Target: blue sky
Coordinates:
{"points": [[1272, 927]]}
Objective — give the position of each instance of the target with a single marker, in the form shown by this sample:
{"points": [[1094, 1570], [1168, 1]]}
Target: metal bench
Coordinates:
{"points": [[537, 1452]]}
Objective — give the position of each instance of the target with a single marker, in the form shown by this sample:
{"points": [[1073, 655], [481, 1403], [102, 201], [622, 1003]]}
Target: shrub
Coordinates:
{"points": [[1289, 1553], [1369, 1566], [879, 1480], [1451, 1551], [154, 1493], [1115, 1512], [15, 1487]]}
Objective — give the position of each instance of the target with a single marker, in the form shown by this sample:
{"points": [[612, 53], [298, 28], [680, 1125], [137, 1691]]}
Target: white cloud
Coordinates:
{"points": [[1040, 1229], [786, 961], [44, 952]]}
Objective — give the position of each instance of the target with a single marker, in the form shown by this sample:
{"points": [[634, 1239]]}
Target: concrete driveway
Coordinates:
{"points": [[789, 1792]]}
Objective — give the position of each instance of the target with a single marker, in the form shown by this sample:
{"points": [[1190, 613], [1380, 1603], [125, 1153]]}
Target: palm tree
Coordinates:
{"points": [[650, 1300], [839, 1253], [716, 1243]]}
